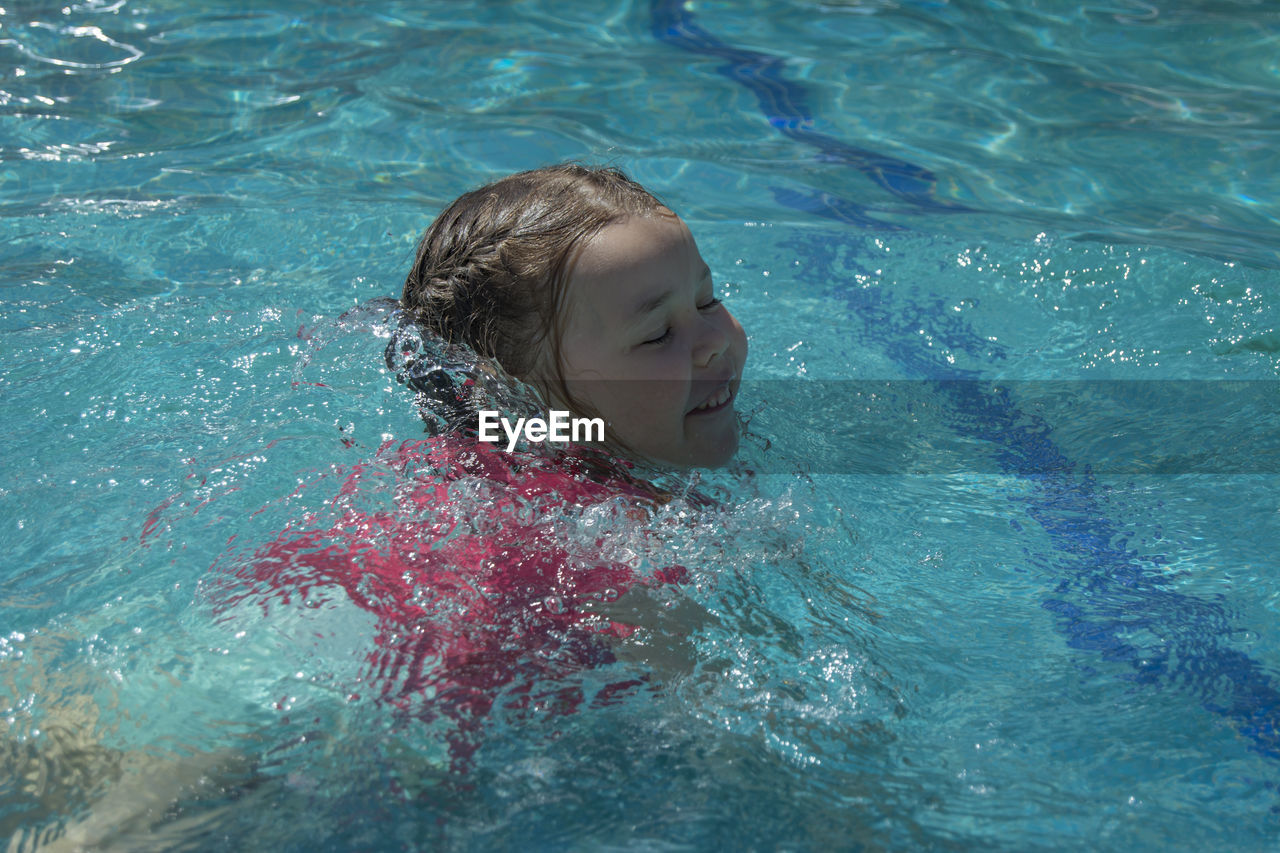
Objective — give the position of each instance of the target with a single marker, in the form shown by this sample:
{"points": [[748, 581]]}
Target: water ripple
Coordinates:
{"points": [[74, 48]]}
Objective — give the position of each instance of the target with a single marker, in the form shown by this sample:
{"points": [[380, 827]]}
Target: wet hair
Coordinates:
{"points": [[492, 270]]}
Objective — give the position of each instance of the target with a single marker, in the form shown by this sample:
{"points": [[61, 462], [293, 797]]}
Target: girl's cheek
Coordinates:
{"points": [[657, 364], [676, 365]]}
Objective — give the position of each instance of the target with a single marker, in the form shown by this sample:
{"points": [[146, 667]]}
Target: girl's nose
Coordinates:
{"points": [[713, 340]]}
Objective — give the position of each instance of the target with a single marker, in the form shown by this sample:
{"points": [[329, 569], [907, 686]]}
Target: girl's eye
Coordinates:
{"points": [[709, 304], [660, 338]]}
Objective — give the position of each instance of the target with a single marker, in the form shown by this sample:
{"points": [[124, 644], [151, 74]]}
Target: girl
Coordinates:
{"points": [[491, 577]]}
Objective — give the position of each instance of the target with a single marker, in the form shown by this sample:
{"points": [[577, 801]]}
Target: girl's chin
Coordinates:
{"points": [[709, 455], [703, 442]]}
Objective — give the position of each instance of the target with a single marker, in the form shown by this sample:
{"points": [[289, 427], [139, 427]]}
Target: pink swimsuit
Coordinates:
{"points": [[467, 607]]}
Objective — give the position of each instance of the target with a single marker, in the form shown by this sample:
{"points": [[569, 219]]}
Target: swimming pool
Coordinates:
{"points": [[996, 567]]}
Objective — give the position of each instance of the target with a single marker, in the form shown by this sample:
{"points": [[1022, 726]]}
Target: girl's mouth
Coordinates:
{"points": [[715, 402]]}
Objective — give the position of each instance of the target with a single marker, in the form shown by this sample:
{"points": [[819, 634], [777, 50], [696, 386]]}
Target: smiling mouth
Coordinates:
{"points": [[715, 402]]}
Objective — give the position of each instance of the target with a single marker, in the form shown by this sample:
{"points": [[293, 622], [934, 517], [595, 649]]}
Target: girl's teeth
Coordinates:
{"points": [[718, 400]]}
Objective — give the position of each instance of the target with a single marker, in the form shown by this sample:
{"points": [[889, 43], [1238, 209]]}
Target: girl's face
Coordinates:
{"points": [[648, 346]]}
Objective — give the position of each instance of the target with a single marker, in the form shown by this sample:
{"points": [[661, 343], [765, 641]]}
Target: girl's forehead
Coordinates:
{"points": [[660, 238]]}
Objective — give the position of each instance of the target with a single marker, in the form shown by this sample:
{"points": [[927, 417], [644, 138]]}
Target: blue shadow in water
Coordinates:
{"points": [[1125, 597], [785, 104]]}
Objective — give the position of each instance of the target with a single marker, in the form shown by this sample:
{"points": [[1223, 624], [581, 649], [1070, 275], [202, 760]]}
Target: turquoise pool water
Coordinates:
{"points": [[997, 565]]}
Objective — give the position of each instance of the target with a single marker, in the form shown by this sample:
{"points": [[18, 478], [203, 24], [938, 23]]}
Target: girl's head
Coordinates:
{"points": [[581, 283]]}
